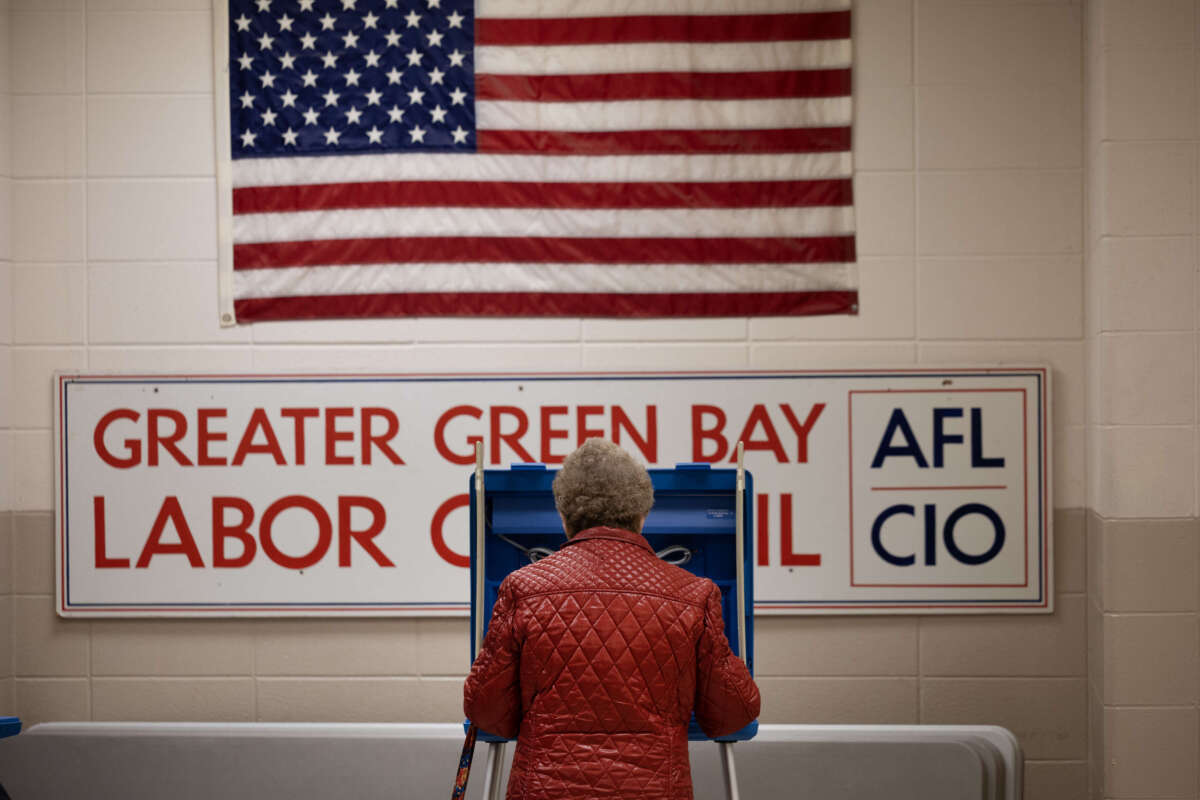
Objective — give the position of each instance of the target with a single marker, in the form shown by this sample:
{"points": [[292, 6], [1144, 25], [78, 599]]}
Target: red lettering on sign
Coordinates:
{"points": [[170, 511], [549, 434], [439, 434], [512, 438], [582, 431], [787, 556], [759, 433], [802, 429], [759, 417], [333, 435], [133, 446], [763, 546], [700, 433], [324, 531], [298, 415], [363, 537], [380, 440], [204, 436], [224, 530], [648, 443], [239, 530], [258, 421], [438, 536], [100, 546], [154, 438]]}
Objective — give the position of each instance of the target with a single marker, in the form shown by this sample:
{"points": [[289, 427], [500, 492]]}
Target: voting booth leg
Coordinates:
{"points": [[495, 763], [728, 770]]}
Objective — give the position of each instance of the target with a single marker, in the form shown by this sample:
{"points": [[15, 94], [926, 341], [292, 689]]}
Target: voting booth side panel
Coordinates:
{"points": [[693, 523]]}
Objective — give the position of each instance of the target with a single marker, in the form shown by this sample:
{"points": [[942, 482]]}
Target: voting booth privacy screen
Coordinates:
{"points": [[875, 491], [693, 524]]}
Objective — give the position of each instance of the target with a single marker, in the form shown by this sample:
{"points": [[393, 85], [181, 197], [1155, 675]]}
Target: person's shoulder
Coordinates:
{"points": [[678, 583], [545, 574], [570, 569]]}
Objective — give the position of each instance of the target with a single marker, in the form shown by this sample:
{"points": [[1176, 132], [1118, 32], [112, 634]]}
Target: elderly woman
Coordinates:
{"points": [[597, 655]]}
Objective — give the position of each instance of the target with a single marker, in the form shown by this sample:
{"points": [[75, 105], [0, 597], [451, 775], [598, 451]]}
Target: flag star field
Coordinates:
{"points": [[348, 76]]}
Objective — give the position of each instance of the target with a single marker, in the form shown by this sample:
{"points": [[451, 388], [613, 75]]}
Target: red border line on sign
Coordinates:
{"points": [[948, 604], [115, 377], [930, 488], [1025, 461], [264, 609]]}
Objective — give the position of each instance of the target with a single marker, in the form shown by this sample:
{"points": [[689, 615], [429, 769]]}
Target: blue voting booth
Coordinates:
{"points": [[9, 726], [694, 523]]}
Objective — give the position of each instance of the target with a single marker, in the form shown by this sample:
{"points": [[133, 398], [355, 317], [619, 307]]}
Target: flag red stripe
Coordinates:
{"points": [[665, 85], [497, 194], [564, 250], [542, 304], [664, 28], [602, 143]]}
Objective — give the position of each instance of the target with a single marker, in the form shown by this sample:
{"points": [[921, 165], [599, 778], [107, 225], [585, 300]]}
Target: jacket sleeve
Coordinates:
{"points": [[492, 693], [726, 696]]}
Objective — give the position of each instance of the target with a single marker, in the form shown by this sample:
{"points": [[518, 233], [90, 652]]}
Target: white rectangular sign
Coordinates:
{"points": [[877, 491]]}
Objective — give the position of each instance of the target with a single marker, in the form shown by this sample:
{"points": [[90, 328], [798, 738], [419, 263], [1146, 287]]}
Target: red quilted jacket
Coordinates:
{"points": [[596, 656]]}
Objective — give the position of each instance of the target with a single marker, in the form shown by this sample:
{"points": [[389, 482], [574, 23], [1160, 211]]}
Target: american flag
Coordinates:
{"points": [[536, 158]]}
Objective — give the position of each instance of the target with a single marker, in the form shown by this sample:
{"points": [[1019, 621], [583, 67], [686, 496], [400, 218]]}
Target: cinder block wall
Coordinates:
{"points": [[1143, 535], [6, 640], [970, 202]]}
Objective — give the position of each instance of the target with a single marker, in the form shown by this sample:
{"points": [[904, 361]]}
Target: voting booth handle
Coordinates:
{"points": [[728, 770], [495, 756], [459, 790], [740, 548], [480, 527]]}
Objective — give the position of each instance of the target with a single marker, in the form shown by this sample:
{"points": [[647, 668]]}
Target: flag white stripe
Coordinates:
{"points": [[639, 278], [542, 222], [662, 57], [586, 169], [639, 115], [556, 9]]}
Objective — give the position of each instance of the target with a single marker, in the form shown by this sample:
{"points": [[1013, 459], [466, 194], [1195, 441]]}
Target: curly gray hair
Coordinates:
{"points": [[601, 484]]}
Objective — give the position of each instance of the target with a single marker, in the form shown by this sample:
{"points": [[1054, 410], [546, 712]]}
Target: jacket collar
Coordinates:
{"points": [[616, 534]]}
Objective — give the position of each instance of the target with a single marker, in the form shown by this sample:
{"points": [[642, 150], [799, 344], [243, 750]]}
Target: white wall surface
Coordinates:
{"points": [[6, 393], [1143, 154]]}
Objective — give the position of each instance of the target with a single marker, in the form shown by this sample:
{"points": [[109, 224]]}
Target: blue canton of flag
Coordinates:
{"points": [[326, 77]]}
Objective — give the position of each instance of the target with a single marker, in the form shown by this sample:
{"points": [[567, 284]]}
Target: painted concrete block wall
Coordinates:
{"points": [[970, 202], [6, 666], [1143, 141]]}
